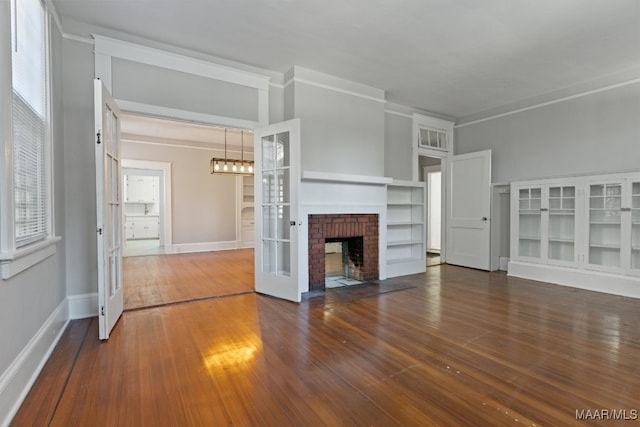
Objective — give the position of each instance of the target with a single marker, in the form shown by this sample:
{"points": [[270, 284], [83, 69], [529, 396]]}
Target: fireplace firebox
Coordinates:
{"points": [[359, 231]]}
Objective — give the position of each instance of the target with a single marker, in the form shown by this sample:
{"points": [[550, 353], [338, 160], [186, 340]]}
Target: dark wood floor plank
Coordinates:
{"points": [[40, 403], [453, 346]]}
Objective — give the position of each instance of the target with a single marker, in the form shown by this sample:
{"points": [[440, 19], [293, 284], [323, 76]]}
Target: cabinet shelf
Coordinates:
{"points": [[560, 240], [604, 246], [529, 238], [403, 223], [405, 228], [404, 242], [402, 260], [246, 228], [530, 212], [404, 204], [604, 223]]}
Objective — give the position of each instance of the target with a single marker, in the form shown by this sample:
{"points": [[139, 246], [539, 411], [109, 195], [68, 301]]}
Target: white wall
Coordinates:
{"points": [[203, 205], [599, 132]]}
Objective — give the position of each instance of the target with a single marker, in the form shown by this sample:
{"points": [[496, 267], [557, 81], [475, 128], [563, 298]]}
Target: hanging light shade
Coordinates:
{"points": [[226, 166]]}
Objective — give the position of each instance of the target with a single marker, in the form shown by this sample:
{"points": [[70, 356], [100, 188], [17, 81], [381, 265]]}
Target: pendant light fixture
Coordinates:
{"points": [[220, 166]]}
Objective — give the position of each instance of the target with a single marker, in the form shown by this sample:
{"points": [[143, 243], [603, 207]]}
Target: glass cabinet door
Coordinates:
{"points": [[562, 224], [635, 225], [530, 220], [605, 226]]}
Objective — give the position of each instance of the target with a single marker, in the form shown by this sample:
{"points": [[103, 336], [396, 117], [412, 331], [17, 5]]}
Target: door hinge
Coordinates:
{"points": [[99, 230], [98, 138], [102, 310]]}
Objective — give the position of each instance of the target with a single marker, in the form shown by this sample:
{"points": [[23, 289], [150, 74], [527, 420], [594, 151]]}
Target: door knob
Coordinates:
{"points": [[484, 218]]}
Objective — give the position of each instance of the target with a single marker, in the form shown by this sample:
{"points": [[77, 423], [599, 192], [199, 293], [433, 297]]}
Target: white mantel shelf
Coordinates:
{"points": [[341, 177]]}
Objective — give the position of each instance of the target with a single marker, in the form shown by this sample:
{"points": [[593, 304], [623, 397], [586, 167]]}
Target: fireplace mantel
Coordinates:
{"points": [[346, 178]]}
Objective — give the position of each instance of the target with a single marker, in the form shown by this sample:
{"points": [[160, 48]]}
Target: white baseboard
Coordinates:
{"points": [[17, 380], [503, 263], [202, 247], [83, 306], [616, 284]]}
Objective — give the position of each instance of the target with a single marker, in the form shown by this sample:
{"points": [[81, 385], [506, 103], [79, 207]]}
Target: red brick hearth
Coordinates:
{"points": [[329, 226]]}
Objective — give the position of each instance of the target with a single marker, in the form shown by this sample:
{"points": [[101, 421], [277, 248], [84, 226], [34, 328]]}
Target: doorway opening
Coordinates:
{"points": [[188, 234], [144, 209], [431, 175]]}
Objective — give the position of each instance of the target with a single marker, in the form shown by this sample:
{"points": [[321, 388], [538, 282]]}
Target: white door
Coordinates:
{"points": [[277, 178], [468, 229], [108, 209]]}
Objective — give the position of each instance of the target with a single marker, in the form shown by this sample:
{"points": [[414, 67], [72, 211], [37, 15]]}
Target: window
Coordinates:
{"points": [[30, 122], [432, 138], [26, 219]]}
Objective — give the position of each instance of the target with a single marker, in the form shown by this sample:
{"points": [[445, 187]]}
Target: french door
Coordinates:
{"points": [[108, 209], [277, 178]]}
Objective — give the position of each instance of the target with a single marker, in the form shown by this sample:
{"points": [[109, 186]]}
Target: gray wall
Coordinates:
{"points": [[28, 299], [203, 205], [341, 133], [599, 132], [133, 81], [276, 104], [79, 166], [398, 133]]}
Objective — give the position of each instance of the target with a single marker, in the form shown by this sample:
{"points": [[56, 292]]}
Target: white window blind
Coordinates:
{"points": [[29, 70]]}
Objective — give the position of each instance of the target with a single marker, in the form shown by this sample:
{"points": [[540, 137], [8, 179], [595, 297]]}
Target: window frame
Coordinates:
{"points": [[13, 259]]}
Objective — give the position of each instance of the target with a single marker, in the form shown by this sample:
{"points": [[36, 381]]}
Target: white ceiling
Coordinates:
{"points": [[158, 130], [456, 58]]}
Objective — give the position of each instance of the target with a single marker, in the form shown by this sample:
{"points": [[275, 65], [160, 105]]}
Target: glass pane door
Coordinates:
{"points": [[276, 205], [562, 205], [530, 218], [605, 227], [635, 225]]}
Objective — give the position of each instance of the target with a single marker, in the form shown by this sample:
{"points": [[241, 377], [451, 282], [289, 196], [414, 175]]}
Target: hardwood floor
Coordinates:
{"points": [[453, 346], [164, 279]]}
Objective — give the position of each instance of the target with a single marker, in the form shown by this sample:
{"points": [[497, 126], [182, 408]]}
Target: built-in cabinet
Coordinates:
{"points": [[546, 222], [586, 224], [246, 209], [406, 245], [614, 223], [141, 194], [140, 189], [142, 227]]}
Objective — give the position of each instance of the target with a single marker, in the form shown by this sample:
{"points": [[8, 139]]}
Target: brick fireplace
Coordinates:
{"points": [[323, 227]]}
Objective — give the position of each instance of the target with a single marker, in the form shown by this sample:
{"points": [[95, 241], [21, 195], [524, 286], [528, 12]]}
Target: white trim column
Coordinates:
{"points": [[6, 132]]}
